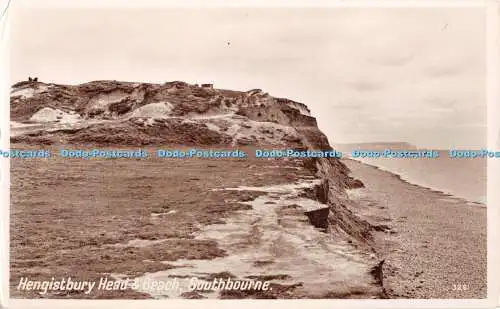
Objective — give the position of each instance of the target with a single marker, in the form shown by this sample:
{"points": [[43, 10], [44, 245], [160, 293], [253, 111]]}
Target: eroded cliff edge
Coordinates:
{"points": [[112, 113]]}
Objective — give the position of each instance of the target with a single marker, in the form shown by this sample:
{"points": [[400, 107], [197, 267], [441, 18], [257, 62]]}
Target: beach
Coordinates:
{"points": [[434, 244]]}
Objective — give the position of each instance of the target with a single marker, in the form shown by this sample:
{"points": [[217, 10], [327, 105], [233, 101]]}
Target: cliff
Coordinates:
{"points": [[126, 113], [112, 113]]}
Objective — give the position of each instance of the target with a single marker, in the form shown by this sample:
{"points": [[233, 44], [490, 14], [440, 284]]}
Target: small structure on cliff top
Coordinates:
{"points": [[207, 85]]}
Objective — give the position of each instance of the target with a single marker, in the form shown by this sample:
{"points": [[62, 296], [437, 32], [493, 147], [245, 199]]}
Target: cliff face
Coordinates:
{"points": [[123, 113], [126, 113], [111, 113]]}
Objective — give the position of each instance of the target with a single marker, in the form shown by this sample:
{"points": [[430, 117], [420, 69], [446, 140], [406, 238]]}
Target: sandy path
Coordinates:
{"points": [[275, 238], [437, 241]]}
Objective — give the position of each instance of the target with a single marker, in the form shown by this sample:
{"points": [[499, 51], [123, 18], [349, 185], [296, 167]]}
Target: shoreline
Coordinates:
{"points": [[431, 242], [446, 194]]}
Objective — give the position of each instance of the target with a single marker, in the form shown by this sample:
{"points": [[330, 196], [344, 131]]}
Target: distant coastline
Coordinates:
{"points": [[444, 192], [463, 179]]}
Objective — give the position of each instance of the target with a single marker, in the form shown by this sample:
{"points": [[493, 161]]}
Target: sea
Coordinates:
{"points": [[463, 178]]}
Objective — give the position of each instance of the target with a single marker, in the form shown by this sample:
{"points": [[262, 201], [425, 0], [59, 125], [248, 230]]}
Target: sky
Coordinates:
{"points": [[414, 75]]}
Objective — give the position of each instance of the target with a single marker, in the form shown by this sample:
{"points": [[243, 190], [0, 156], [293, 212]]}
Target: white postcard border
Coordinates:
{"points": [[493, 119]]}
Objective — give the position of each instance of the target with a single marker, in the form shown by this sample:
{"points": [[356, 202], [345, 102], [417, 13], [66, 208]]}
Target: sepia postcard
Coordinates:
{"points": [[244, 154]]}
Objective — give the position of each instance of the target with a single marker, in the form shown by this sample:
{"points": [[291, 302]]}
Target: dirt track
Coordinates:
{"points": [[108, 217]]}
